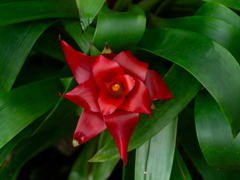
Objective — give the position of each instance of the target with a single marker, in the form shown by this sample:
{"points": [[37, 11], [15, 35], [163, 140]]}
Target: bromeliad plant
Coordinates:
{"points": [[113, 89], [193, 45]]}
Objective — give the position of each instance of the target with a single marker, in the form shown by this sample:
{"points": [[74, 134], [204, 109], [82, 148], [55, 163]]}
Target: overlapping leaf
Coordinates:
{"points": [[234, 4], [209, 62], [88, 10], [219, 11], [147, 128], [121, 30], [74, 29], [23, 105], [188, 139], [179, 169], [15, 46], [216, 29], [218, 147], [154, 159], [20, 11]]}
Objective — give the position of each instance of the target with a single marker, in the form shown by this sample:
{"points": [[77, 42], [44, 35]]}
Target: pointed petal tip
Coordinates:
{"points": [[106, 45], [75, 143], [60, 94], [91, 44], [59, 37]]}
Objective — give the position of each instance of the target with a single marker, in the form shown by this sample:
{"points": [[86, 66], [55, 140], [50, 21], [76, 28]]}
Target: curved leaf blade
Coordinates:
{"points": [[88, 10], [20, 11], [74, 29], [188, 139], [219, 11], [209, 62], [15, 46], [154, 158], [179, 169], [216, 29], [22, 105], [121, 30], [234, 4], [214, 134], [147, 128]]}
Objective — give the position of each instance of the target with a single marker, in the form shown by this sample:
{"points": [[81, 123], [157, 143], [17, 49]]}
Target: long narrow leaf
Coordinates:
{"points": [[16, 42], [209, 62], [154, 160], [147, 128]]}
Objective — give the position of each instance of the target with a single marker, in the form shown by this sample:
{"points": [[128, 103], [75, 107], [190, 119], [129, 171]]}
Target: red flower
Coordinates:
{"points": [[113, 90]]}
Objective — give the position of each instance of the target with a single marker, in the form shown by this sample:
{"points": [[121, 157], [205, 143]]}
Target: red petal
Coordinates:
{"points": [[108, 103], [127, 83], [80, 64], [121, 125], [107, 52], [156, 86], [132, 65], [104, 70], [89, 125], [85, 95], [138, 100]]}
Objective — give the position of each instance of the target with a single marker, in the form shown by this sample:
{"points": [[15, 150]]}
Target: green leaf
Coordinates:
{"points": [[121, 30], [159, 149], [7, 148], [74, 29], [179, 169], [88, 10], [209, 62], [102, 170], [214, 134], [234, 4], [188, 139], [122, 5], [48, 44], [15, 46], [219, 11], [80, 168], [63, 110], [216, 29], [20, 11], [22, 105], [128, 171], [33, 145], [147, 128]]}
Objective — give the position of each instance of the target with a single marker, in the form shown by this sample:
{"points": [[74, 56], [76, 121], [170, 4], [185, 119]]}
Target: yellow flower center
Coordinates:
{"points": [[116, 87]]}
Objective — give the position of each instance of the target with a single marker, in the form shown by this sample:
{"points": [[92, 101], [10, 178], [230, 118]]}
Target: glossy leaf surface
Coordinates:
{"points": [[21, 11], [80, 168], [219, 148], [209, 66], [145, 129], [88, 10], [216, 29], [154, 158], [63, 110], [219, 11], [74, 29], [32, 146], [15, 46], [234, 4], [125, 28], [179, 169], [102, 170], [188, 139], [23, 105]]}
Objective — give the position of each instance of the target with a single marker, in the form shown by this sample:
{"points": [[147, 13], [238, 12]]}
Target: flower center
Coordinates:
{"points": [[116, 87]]}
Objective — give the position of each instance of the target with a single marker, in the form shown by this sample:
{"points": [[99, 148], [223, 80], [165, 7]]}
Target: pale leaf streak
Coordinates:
{"points": [[181, 169]]}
